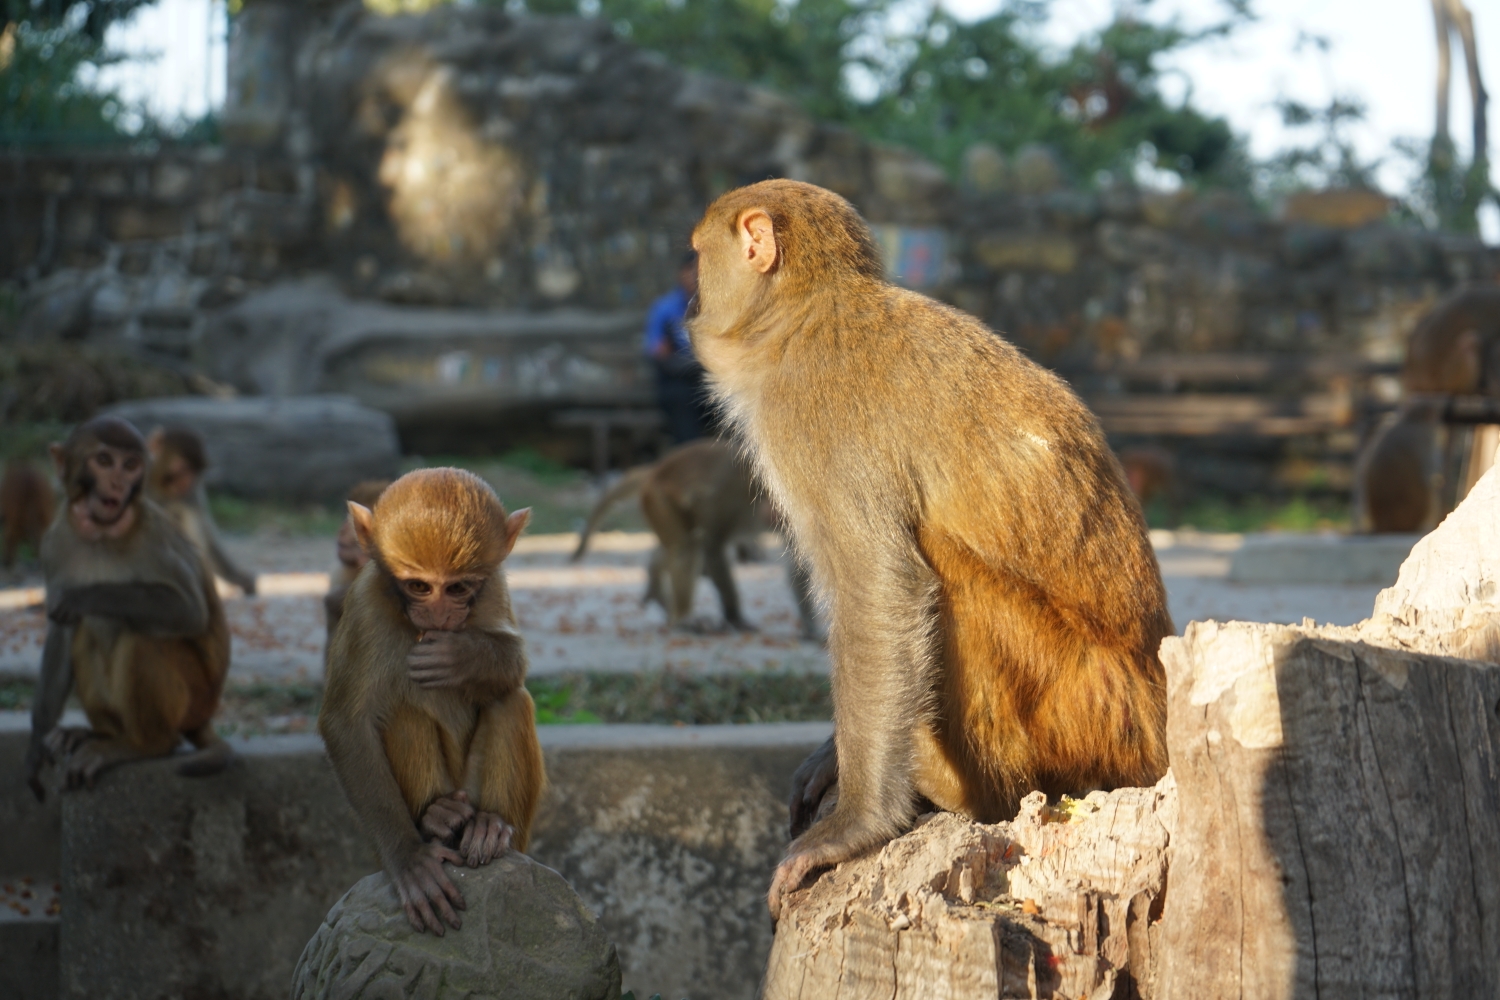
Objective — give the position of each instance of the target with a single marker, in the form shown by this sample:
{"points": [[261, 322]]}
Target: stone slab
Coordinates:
{"points": [[28, 959], [212, 887], [1320, 559]]}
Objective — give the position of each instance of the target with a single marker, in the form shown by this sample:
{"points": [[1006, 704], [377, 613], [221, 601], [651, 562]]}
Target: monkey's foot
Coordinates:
{"points": [[64, 740], [702, 626], [93, 758], [790, 875], [427, 894], [485, 838]]}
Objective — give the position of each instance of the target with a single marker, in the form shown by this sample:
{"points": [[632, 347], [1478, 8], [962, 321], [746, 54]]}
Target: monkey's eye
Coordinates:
{"points": [[104, 460], [458, 589], [132, 462], [418, 588]]}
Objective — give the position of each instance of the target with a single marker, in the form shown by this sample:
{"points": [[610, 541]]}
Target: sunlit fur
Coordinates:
{"points": [[995, 603], [459, 524]]}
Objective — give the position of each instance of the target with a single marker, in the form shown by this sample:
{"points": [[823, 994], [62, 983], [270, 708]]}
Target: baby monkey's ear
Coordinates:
{"points": [[364, 526], [513, 526]]}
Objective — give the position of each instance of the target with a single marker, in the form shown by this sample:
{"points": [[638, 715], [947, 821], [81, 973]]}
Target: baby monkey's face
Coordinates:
{"points": [[439, 603]]}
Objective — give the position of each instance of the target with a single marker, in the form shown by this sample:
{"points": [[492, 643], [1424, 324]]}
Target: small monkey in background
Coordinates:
{"points": [[133, 620], [352, 557], [699, 500], [1151, 472], [425, 719], [1394, 476], [996, 606], [178, 461], [26, 506]]}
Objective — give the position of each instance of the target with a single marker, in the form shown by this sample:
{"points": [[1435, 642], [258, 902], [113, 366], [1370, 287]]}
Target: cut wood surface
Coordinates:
{"points": [[1061, 902], [1340, 829]]}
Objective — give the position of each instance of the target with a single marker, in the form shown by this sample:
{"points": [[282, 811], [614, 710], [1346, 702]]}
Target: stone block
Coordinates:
{"points": [[1028, 251], [211, 887], [1336, 208], [28, 958], [526, 936], [298, 448], [1293, 559]]}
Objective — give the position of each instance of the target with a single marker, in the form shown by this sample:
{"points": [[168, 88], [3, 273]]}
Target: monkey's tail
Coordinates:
{"points": [[628, 485], [212, 756]]}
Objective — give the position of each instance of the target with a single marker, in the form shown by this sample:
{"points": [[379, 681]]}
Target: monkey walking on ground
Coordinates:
{"points": [[996, 606], [133, 621], [26, 506], [351, 557], [178, 461], [699, 500], [425, 719]]}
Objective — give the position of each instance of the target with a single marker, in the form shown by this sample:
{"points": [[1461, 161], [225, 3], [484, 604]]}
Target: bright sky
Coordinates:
{"points": [[1382, 51]]}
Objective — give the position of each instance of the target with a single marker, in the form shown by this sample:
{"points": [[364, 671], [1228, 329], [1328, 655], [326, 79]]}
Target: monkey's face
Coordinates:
{"points": [[110, 478], [439, 603], [175, 477]]}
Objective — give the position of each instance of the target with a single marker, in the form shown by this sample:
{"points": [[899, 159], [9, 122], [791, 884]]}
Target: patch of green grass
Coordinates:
{"points": [[240, 516], [16, 693], [688, 699], [1250, 514]]}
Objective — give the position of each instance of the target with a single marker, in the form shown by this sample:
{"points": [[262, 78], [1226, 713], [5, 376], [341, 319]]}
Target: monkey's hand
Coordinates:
{"points": [[487, 837], [490, 665], [446, 816], [37, 756], [810, 783], [428, 896]]}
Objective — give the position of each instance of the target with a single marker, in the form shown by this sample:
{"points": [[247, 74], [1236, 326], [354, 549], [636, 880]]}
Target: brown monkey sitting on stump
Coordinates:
{"points": [[178, 461], [996, 606], [26, 503], [134, 621], [425, 718]]}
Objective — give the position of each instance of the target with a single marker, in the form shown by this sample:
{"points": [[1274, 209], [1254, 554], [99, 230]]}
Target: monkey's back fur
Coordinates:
{"points": [[921, 459]]}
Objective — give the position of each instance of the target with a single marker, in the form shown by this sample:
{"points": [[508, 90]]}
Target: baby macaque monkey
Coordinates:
{"points": [[351, 556], [178, 461], [134, 623], [426, 721], [26, 507], [995, 603], [1396, 473]]}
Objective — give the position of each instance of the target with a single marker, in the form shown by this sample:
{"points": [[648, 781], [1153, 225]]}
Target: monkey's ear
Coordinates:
{"points": [[154, 441], [364, 526], [59, 460], [758, 239], [513, 526]]}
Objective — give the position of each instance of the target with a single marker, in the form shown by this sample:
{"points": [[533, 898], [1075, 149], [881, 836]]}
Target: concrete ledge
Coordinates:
{"points": [[211, 887], [1293, 559]]}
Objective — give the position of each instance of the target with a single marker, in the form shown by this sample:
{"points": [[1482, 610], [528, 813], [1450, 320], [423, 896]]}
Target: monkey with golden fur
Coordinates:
{"points": [[996, 606], [178, 461], [699, 500], [425, 719], [26, 507], [134, 623], [351, 556]]}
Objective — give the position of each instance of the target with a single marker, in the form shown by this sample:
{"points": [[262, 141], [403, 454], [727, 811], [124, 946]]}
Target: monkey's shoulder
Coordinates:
{"points": [[153, 551]]}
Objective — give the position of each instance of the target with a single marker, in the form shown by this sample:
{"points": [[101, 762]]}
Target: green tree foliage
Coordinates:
{"points": [[911, 74]]}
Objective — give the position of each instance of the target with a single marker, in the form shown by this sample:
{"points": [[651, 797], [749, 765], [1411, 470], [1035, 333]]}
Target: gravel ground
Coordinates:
{"points": [[588, 618]]}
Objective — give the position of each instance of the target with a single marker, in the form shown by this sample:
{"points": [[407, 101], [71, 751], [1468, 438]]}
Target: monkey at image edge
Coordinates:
{"points": [[134, 622], [425, 717], [995, 603]]}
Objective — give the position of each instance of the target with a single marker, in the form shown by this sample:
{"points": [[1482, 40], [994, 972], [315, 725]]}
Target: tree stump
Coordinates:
{"points": [[1333, 814], [1059, 902], [1339, 830]]}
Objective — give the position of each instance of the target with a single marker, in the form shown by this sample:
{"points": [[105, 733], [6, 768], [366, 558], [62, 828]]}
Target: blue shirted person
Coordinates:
{"points": [[680, 388]]}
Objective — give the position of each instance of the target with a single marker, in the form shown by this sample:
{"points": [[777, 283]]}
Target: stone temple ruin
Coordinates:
{"points": [[460, 218]]}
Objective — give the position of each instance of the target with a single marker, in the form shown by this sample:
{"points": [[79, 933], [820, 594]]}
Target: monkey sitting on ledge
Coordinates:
{"points": [[425, 719], [995, 604], [133, 621], [178, 461]]}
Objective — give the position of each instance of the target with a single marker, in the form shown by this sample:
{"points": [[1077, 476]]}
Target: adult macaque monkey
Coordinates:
{"points": [[178, 461], [134, 621], [699, 501], [26, 507], [996, 606], [424, 716]]}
